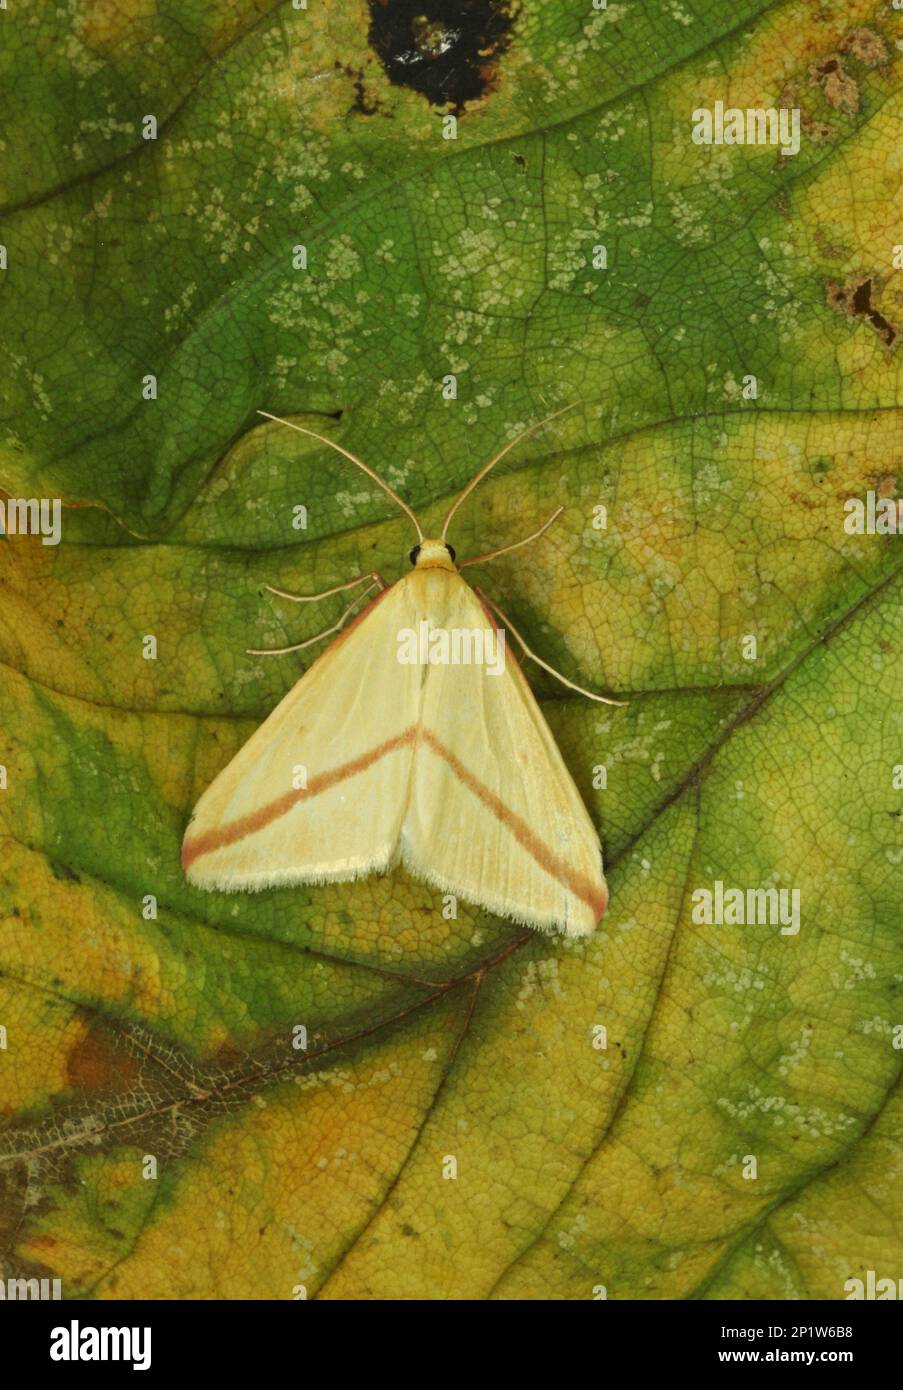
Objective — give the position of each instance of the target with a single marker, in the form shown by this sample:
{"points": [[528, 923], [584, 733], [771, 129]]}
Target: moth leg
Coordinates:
{"points": [[327, 593], [327, 632], [538, 659], [491, 554]]}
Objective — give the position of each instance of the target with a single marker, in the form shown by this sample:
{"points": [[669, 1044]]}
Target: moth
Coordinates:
{"points": [[374, 759]]}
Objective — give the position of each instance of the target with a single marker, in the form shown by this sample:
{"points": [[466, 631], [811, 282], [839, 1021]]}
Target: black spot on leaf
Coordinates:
{"points": [[856, 301], [364, 104], [447, 50]]}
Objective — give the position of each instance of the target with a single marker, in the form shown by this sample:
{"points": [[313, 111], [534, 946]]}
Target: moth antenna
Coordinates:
{"points": [[531, 429], [353, 458]]}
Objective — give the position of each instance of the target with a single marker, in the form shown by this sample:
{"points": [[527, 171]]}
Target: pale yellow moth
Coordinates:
{"points": [[448, 768]]}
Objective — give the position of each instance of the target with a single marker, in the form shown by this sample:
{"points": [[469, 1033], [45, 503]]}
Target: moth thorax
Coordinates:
{"points": [[433, 554]]}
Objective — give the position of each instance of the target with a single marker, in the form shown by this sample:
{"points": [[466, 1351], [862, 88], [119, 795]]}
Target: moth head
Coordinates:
{"points": [[433, 555]]}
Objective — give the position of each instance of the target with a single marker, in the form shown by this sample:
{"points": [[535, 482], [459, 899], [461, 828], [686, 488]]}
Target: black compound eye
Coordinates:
{"points": [[413, 555], [452, 552]]}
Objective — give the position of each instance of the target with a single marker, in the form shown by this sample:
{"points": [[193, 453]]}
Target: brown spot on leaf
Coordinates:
{"points": [[835, 251], [865, 45], [855, 300], [840, 90], [791, 96], [97, 1063], [42, 1240], [817, 131]]}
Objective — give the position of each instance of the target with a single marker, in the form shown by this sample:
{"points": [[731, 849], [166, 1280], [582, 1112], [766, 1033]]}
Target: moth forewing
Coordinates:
{"points": [[253, 828], [494, 815]]}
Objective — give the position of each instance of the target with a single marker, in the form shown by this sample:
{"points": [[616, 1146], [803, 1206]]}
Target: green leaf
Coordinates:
{"points": [[172, 1032]]}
